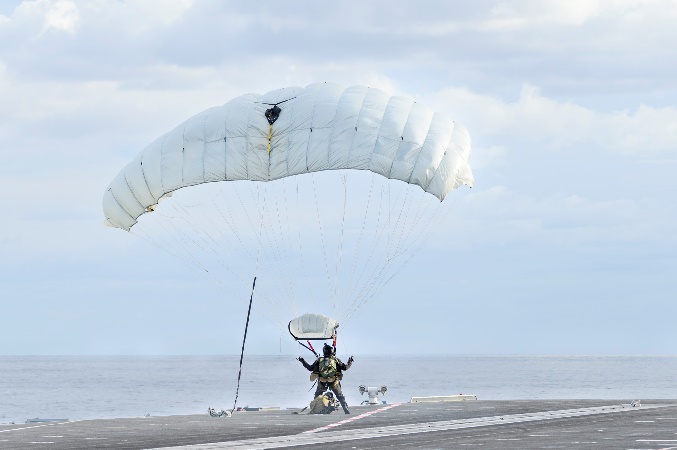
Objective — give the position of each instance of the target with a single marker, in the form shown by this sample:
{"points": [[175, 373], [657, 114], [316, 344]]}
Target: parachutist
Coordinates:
{"points": [[328, 369], [324, 404]]}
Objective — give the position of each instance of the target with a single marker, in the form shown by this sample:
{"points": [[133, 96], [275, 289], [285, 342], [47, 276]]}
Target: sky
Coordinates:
{"points": [[566, 244]]}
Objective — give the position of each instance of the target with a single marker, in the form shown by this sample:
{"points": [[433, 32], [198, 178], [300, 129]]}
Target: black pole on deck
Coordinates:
{"points": [[237, 392]]}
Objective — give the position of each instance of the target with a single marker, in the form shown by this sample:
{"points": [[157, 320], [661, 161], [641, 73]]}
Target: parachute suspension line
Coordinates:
{"points": [[439, 214], [230, 224], [357, 307], [319, 223], [184, 237], [312, 349], [344, 179], [278, 253], [372, 283], [140, 232], [204, 234], [261, 206], [186, 260], [282, 249], [358, 284], [364, 222], [309, 348], [190, 260], [356, 251], [408, 229], [220, 260], [402, 226], [234, 230], [303, 263], [286, 208], [244, 339], [253, 227], [364, 300], [261, 210], [272, 246], [244, 209], [392, 228], [197, 263], [417, 219], [380, 276]]}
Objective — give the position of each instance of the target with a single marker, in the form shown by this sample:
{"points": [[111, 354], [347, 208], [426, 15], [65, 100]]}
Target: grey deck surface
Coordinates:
{"points": [[485, 424]]}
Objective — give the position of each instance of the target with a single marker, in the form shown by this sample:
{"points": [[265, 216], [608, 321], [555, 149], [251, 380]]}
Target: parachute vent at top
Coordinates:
{"points": [[313, 327], [320, 127]]}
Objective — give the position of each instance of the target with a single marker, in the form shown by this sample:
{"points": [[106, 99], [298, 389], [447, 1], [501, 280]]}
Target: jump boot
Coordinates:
{"points": [[344, 405]]}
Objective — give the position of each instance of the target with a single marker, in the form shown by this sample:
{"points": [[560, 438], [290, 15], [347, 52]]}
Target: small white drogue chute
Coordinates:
{"points": [[313, 327]]}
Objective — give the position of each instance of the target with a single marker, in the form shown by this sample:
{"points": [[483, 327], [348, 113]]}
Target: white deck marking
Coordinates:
{"points": [[34, 426], [352, 419], [317, 438]]}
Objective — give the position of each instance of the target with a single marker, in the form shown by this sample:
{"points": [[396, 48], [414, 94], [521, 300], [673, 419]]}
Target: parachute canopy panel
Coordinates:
{"points": [[293, 131], [313, 327]]}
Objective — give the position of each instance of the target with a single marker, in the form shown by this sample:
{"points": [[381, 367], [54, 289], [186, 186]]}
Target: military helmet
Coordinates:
{"points": [[327, 350]]}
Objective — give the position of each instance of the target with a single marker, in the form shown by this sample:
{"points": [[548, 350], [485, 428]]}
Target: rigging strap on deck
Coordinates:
{"points": [[237, 392]]}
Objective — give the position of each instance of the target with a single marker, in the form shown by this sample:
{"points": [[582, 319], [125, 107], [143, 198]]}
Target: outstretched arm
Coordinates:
{"points": [[343, 366], [310, 367]]}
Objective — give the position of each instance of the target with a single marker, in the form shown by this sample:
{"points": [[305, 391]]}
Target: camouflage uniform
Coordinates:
{"points": [[332, 383]]}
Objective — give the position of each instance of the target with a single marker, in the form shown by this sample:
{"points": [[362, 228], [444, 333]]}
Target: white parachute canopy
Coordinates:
{"points": [[313, 327], [321, 127], [324, 193]]}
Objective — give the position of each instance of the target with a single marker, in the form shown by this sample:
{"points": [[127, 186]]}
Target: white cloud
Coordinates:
{"points": [[557, 124], [498, 216], [484, 157], [62, 15], [523, 14], [165, 11]]}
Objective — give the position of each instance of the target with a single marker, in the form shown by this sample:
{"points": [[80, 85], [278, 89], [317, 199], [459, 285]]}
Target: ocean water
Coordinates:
{"points": [[88, 387]]}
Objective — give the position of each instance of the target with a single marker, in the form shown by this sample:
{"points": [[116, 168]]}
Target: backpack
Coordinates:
{"points": [[323, 405], [328, 367]]}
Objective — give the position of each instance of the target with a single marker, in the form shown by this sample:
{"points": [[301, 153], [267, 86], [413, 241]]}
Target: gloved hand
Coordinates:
{"points": [[350, 360], [300, 358]]}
